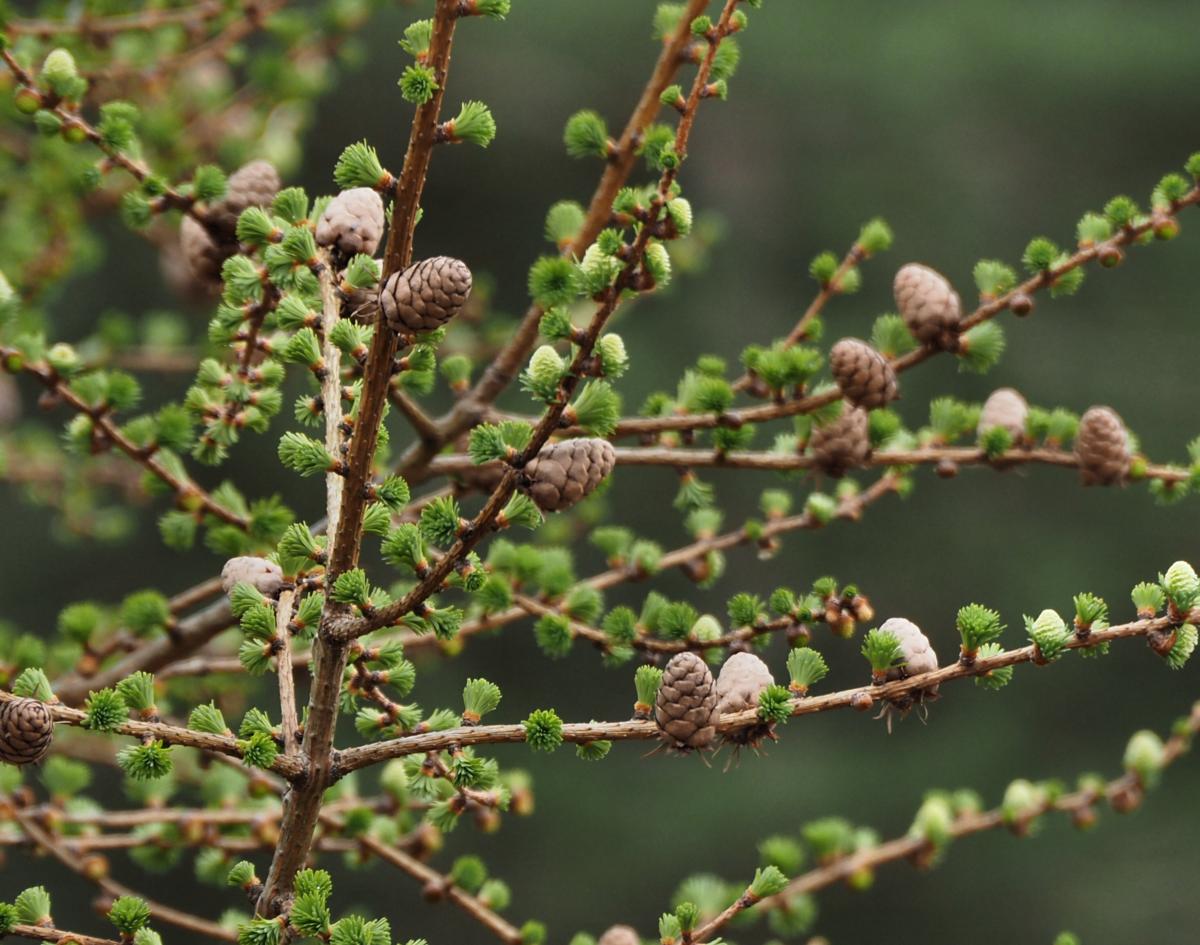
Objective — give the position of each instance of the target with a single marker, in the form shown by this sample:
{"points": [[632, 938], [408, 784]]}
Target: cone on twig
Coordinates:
{"points": [[264, 576], [352, 222], [1007, 410], [919, 657], [26, 729], [1102, 447], [426, 295], [863, 374], [686, 708], [843, 443], [206, 246], [742, 679], [563, 473], [928, 304]]}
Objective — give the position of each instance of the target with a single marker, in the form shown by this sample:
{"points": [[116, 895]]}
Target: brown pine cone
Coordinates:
{"points": [[26, 728], [843, 443], [352, 222], [1102, 447], [620, 935], [863, 374], [686, 707], [563, 473], [742, 679], [203, 254], [251, 185], [263, 575], [1005, 408], [426, 295], [927, 303]]}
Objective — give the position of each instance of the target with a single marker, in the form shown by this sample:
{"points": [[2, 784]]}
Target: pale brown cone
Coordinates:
{"points": [[251, 185], [863, 374], [927, 302], [620, 935], [263, 575], [426, 295], [742, 679], [563, 473], [842, 444], [1005, 408], [1102, 447], [686, 707], [919, 657], [352, 222], [26, 729]]}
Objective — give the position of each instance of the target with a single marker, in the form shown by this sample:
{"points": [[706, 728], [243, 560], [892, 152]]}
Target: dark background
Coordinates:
{"points": [[971, 127]]}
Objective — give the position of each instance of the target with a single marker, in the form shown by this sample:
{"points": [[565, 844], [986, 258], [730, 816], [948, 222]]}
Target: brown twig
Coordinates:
{"points": [[362, 756]]}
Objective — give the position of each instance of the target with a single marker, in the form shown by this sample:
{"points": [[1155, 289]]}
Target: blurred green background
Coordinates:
{"points": [[970, 126]]}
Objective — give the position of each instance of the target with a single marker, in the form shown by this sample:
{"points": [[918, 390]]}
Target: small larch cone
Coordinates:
{"points": [[563, 473], [741, 681], [203, 254], [26, 728], [264, 576], [1102, 447], [352, 222], [919, 657], [251, 185], [842, 444], [686, 707], [426, 295], [1004, 409], [927, 302], [620, 935], [863, 374]]}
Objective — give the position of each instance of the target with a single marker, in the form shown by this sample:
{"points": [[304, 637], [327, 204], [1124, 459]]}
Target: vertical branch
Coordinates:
{"points": [[331, 393], [302, 805], [287, 678]]}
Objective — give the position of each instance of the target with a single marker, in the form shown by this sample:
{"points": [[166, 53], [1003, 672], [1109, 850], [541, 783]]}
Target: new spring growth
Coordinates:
{"points": [[479, 698], [806, 667], [977, 626], [883, 651]]}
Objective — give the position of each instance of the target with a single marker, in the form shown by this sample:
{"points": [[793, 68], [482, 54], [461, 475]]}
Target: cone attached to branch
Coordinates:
{"points": [[686, 709], [26, 729], [563, 473], [352, 222], [843, 443], [1102, 447], [264, 576], [928, 304], [426, 295], [1005, 409], [743, 678], [251, 185], [620, 935], [917, 655], [863, 374]]}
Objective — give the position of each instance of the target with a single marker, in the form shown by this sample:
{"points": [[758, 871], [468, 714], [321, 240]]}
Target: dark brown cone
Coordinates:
{"points": [[26, 728], [1102, 447], [352, 222], [426, 295], [686, 707], [203, 254], [862, 373], [563, 473], [842, 444]]}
